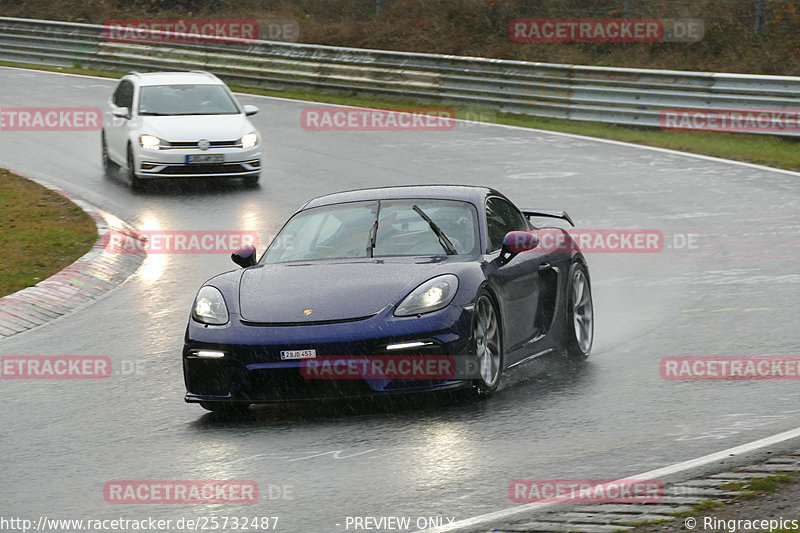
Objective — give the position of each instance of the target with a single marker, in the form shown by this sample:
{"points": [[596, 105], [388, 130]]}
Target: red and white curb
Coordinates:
{"points": [[90, 277]]}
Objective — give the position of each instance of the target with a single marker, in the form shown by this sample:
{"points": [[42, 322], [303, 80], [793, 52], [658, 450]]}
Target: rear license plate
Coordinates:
{"points": [[205, 158], [299, 354]]}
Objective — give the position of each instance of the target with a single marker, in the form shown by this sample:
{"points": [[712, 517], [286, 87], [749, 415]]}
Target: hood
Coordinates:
{"points": [[194, 128], [280, 293]]}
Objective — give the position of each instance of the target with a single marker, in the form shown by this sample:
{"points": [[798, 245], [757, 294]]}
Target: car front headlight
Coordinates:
{"points": [[209, 306], [249, 140], [434, 294], [151, 142]]}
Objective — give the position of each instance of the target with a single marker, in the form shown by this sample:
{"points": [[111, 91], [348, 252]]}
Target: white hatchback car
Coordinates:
{"points": [[179, 125]]}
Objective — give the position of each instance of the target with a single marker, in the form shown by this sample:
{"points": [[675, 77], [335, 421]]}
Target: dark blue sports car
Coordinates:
{"points": [[388, 290]]}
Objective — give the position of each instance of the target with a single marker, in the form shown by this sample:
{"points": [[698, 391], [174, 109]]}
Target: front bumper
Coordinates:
{"points": [[173, 163], [250, 368]]}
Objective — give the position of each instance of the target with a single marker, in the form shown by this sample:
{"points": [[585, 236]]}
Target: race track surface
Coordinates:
{"points": [[734, 293]]}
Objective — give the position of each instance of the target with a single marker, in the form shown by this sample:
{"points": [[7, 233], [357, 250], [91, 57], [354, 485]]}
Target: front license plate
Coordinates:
{"points": [[205, 158], [299, 354]]}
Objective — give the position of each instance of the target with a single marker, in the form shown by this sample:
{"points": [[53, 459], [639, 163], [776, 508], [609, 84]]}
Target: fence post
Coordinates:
{"points": [[759, 16]]}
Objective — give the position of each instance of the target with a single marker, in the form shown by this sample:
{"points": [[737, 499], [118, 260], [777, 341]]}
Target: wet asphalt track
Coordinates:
{"points": [[735, 294]]}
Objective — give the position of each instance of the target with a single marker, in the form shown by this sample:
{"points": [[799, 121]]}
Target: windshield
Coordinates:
{"points": [[186, 100], [347, 230]]}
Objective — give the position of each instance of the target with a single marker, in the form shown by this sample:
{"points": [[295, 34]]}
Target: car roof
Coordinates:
{"points": [[196, 77], [467, 193]]}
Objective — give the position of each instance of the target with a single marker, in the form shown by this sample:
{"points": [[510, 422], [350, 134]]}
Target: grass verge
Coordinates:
{"points": [[41, 232], [756, 499], [766, 150], [755, 486]]}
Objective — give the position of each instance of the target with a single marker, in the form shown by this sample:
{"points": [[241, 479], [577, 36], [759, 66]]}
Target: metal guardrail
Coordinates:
{"points": [[634, 97]]}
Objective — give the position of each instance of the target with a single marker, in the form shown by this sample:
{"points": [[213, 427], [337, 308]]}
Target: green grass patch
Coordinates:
{"points": [[77, 69], [41, 232], [705, 504], [755, 486], [747, 488], [697, 508]]}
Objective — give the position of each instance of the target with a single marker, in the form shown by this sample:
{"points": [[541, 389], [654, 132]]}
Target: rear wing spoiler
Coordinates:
{"points": [[549, 214]]}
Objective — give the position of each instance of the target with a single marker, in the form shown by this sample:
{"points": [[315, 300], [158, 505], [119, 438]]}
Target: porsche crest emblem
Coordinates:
{"points": [[307, 312]]}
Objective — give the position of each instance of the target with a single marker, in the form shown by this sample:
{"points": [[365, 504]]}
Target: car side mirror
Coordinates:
{"points": [[122, 112], [517, 242], [245, 256], [250, 110]]}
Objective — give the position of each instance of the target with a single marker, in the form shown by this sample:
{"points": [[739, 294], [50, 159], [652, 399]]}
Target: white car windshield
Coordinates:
{"points": [[348, 231], [156, 100]]}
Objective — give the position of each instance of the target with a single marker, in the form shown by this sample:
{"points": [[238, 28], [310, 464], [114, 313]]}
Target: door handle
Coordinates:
{"points": [[544, 266]]}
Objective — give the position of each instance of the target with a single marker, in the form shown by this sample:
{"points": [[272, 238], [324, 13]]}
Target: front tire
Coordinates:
{"points": [[110, 168], [136, 182], [487, 345], [580, 313], [251, 181]]}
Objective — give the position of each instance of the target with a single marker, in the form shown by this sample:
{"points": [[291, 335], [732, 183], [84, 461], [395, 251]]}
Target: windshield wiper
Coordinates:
{"points": [[373, 232], [443, 240]]}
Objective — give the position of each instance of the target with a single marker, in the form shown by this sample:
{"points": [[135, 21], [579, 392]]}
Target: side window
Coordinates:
{"points": [[123, 96], [502, 217]]}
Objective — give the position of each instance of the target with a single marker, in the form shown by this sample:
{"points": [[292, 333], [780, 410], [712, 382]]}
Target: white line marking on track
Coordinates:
{"points": [[504, 514], [574, 136], [559, 133]]}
